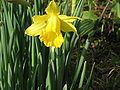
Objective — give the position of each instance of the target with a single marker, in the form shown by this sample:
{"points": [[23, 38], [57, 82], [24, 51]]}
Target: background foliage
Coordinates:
{"points": [[25, 63]]}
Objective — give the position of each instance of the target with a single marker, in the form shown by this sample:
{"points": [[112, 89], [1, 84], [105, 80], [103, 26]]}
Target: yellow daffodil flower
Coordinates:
{"points": [[49, 26]]}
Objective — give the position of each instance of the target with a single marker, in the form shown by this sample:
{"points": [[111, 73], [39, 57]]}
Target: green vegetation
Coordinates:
{"points": [[89, 61]]}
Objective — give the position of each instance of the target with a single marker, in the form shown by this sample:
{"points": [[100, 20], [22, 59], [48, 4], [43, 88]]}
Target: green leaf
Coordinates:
{"points": [[81, 61], [90, 77], [50, 80], [89, 15], [86, 27], [82, 75], [116, 9], [9, 75], [22, 2]]}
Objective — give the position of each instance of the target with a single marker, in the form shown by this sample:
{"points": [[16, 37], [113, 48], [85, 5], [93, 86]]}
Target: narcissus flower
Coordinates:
{"points": [[49, 26]]}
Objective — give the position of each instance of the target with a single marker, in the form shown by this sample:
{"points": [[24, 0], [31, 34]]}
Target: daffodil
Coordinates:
{"points": [[49, 26]]}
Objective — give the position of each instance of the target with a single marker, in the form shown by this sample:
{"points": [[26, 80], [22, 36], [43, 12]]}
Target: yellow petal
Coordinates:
{"points": [[58, 41], [51, 39], [67, 18], [52, 8], [46, 38], [35, 29], [53, 24], [39, 19], [67, 27]]}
